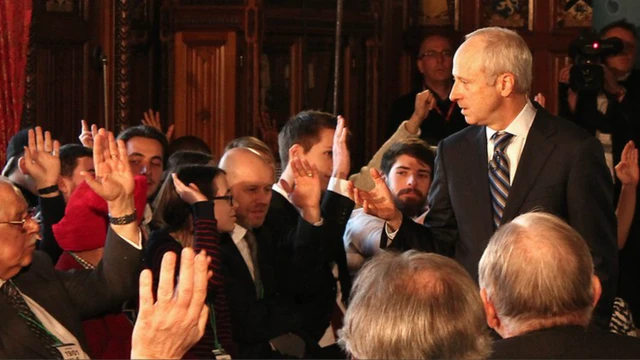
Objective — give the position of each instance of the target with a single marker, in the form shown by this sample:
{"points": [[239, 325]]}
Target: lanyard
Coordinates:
{"points": [[451, 107], [212, 321], [35, 321]]}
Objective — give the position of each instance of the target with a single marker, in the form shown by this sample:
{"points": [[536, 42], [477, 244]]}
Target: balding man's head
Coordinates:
{"points": [[250, 178], [537, 272]]}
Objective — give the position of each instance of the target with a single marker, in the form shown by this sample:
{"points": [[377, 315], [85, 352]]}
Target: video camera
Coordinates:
{"points": [[588, 51]]}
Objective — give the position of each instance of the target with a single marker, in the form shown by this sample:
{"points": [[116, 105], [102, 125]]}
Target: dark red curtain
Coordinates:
{"points": [[15, 18]]}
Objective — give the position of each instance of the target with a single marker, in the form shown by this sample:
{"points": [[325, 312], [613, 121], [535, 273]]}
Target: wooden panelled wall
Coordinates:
{"points": [[213, 66]]}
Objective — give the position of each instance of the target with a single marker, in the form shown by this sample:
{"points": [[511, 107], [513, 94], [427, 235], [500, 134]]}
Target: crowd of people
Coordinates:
{"points": [[501, 243]]}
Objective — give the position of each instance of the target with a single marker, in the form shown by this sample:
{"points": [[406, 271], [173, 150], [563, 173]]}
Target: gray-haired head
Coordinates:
{"points": [[414, 306]]}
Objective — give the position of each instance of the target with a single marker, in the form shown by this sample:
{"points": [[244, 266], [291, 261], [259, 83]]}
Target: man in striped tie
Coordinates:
{"points": [[517, 158]]}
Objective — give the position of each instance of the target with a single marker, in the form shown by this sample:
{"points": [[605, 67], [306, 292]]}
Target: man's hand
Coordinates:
{"points": [[341, 156], [113, 179], [425, 101], [379, 201], [190, 194], [540, 99], [42, 159], [87, 135], [627, 169], [153, 119], [169, 327], [305, 192]]}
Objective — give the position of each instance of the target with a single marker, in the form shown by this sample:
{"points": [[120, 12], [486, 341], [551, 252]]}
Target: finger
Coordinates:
{"points": [[194, 187], [375, 175], [31, 139], [123, 156], [356, 197], [166, 279], [98, 153], [306, 167], [94, 184], [48, 145], [145, 290], [113, 147], [202, 320], [170, 132], [56, 148], [350, 188], [84, 125], [157, 117], [39, 139], [285, 186], [296, 167], [200, 283], [27, 155], [94, 130], [185, 284]]}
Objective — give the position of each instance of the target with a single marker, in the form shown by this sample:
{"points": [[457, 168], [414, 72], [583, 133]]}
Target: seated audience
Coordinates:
{"points": [[539, 291], [407, 168], [32, 291], [74, 159], [414, 306], [194, 216], [168, 327]]}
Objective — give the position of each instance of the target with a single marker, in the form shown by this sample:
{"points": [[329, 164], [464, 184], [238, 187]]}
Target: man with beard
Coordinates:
{"points": [[407, 169]]}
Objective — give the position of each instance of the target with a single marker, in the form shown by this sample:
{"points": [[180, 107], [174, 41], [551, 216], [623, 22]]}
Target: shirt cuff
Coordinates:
{"points": [[390, 234], [319, 223], [403, 126], [339, 186], [139, 244]]}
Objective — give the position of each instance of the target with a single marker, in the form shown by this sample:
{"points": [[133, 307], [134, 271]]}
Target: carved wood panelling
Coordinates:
{"points": [[205, 86], [122, 64]]}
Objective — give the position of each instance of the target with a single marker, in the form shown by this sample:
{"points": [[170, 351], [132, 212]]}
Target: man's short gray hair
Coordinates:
{"points": [[538, 272], [414, 306], [506, 52]]}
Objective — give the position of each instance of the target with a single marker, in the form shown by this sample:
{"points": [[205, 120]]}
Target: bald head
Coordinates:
{"points": [[250, 178]]}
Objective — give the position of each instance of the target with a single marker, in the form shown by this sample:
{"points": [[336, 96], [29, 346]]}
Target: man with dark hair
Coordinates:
{"points": [[316, 161], [434, 61], [427, 308], [74, 159], [146, 147], [407, 168], [539, 290]]}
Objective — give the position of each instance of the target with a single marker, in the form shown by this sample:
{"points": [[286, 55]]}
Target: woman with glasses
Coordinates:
{"points": [[192, 209]]}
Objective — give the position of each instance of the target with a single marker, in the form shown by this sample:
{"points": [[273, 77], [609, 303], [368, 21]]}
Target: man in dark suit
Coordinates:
{"points": [[41, 309], [517, 158], [313, 149], [257, 263], [539, 290]]}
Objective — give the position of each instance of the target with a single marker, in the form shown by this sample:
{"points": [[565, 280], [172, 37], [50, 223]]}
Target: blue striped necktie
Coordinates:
{"points": [[499, 175]]}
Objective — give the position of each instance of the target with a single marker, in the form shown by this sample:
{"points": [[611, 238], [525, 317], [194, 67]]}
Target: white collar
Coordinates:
{"points": [[520, 126], [238, 234]]}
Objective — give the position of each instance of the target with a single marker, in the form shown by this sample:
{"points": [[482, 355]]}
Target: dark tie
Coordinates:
{"points": [[15, 299], [499, 175], [253, 250]]}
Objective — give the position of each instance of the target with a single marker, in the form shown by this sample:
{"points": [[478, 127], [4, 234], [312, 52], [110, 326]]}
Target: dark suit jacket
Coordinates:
{"points": [[561, 171], [570, 342], [315, 262], [69, 296]]}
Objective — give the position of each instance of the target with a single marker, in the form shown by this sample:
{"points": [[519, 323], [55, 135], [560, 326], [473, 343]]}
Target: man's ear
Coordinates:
{"points": [[489, 310], [597, 289], [420, 66], [295, 151], [506, 84], [21, 166]]}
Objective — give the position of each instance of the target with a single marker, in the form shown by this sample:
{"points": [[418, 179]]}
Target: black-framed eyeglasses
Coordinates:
{"points": [[432, 54], [31, 215], [229, 198]]}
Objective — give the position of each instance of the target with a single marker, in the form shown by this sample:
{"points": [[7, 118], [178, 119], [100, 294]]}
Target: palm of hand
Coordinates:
{"points": [[627, 174], [114, 183], [42, 163], [306, 192]]}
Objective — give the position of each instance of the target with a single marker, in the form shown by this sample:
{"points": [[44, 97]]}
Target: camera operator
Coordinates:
{"points": [[610, 111], [604, 103]]}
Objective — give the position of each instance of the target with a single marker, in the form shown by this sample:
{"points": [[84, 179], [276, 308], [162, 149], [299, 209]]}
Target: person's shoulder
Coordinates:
{"points": [[566, 131]]}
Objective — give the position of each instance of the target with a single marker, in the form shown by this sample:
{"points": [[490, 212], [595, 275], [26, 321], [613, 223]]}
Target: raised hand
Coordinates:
{"points": [[341, 156], [306, 190], [153, 119], [42, 158], [379, 201], [190, 194], [627, 169], [425, 101], [87, 135], [113, 179], [564, 74], [169, 327]]}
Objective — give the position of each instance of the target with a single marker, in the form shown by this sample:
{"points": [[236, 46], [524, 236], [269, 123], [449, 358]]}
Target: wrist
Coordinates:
{"points": [[121, 207], [311, 215], [413, 124], [395, 221], [48, 191]]}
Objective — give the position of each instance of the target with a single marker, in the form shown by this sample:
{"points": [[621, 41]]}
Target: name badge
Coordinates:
{"points": [[220, 354], [70, 351]]}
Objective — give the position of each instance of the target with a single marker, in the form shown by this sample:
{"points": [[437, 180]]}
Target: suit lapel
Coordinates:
{"points": [[16, 328], [537, 150], [476, 160]]}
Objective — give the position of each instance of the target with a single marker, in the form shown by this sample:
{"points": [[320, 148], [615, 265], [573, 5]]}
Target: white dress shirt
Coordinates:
{"points": [[237, 235]]}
